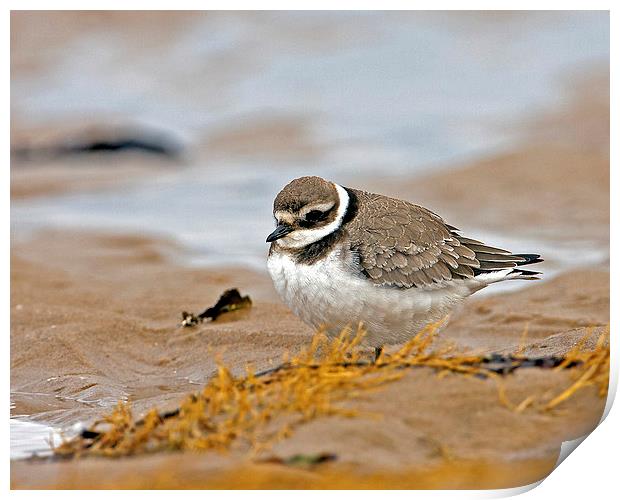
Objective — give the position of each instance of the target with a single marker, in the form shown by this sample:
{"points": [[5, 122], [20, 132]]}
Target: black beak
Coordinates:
{"points": [[281, 231]]}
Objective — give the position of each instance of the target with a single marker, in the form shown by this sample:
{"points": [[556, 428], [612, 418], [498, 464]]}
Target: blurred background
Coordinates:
{"points": [[186, 124]]}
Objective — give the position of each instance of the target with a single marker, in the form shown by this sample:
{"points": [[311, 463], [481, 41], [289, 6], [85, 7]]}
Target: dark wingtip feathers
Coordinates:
{"points": [[530, 258], [526, 274]]}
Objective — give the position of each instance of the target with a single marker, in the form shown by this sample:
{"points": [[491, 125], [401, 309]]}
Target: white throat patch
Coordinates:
{"points": [[302, 237]]}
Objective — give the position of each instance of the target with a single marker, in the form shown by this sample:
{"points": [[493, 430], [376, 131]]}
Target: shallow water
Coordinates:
{"points": [[31, 438], [406, 92]]}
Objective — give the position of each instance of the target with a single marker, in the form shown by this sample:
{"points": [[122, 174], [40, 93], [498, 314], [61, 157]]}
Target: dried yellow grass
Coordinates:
{"points": [[256, 410], [592, 367]]}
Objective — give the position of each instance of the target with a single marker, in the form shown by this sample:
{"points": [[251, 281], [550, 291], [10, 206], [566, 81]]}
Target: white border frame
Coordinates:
{"points": [[590, 473]]}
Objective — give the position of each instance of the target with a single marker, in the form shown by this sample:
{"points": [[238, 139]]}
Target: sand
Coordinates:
{"points": [[93, 327]]}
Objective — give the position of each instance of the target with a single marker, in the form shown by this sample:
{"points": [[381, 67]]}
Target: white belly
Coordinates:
{"points": [[329, 294]]}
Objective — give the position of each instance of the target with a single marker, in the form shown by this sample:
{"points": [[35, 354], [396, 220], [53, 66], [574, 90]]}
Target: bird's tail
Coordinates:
{"points": [[496, 264], [525, 274]]}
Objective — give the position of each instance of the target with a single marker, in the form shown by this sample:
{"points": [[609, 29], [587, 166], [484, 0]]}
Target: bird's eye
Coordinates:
{"points": [[314, 215]]}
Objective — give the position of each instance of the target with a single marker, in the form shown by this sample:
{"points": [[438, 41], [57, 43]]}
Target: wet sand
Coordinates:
{"points": [[95, 319]]}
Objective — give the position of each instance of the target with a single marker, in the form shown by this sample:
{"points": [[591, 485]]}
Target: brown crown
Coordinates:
{"points": [[303, 191]]}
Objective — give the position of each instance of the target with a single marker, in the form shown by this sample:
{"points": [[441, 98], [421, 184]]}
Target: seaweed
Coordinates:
{"points": [[255, 410], [593, 371], [231, 300], [595, 366], [112, 142], [506, 364]]}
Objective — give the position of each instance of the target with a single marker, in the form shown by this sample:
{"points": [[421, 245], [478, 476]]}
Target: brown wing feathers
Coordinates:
{"points": [[405, 245]]}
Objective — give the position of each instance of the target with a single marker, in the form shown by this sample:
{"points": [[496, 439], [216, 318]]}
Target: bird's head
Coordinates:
{"points": [[306, 210]]}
